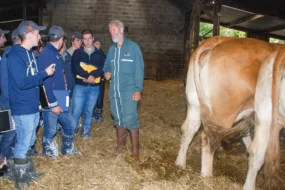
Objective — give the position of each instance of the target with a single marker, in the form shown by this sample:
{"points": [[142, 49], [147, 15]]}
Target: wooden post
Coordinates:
{"points": [[216, 19], [24, 7]]}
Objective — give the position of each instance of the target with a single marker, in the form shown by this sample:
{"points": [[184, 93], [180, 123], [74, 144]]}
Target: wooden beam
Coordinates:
{"points": [[24, 8], [13, 7], [244, 19], [216, 21], [275, 28], [205, 9]]}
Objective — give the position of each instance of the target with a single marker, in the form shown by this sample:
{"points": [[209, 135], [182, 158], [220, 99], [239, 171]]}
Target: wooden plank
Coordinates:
{"points": [[244, 19]]}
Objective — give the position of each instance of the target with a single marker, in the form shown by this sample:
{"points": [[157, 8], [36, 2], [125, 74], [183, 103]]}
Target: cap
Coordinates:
{"points": [[56, 32], [96, 38], [14, 35], [4, 31], [76, 35], [28, 26]]}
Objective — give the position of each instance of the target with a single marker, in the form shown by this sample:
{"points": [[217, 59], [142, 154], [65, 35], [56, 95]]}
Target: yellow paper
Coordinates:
{"points": [[87, 67]]}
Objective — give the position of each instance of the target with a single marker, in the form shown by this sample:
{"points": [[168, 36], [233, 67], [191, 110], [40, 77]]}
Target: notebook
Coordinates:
{"points": [[6, 121], [62, 97]]}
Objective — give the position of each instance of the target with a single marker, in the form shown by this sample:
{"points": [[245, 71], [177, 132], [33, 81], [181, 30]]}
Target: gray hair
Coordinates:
{"points": [[118, 23]]}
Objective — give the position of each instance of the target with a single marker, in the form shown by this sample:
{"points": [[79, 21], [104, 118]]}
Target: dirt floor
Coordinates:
{"points": [[162, 110]]}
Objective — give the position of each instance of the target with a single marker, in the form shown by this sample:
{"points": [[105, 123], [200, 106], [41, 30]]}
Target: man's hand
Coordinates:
{"points": [[90, 80], [50, 69], [56, 110], [136, 96], [108, 75]]}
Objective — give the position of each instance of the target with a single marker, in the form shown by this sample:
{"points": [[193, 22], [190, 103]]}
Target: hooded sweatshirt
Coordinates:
{"points": [[24, 81]]}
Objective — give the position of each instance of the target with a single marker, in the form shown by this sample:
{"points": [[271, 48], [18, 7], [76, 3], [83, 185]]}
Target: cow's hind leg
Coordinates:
{"points": [[207, 156], [257, 151], [189, 128]]}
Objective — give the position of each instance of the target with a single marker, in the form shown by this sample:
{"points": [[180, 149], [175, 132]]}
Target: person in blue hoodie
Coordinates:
{"points": [[24, 80], [124, 63], [48, 56], [8, 138], [86, 89]]}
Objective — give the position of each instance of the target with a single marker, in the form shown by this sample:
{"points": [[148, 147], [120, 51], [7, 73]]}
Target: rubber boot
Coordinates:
{"points": [[67, 145], [122, 134], [134, 133], [32, 172], [50, 147], [98, 115], [20, 171]]}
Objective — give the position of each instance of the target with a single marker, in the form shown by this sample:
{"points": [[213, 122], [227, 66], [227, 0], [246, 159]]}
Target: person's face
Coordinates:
{"points": [[116, 33], [60, 42], [34, 37], [2, 40], [77, 43], [97, 44], [87, 40]]}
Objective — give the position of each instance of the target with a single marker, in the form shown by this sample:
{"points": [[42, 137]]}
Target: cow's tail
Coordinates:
{"points": [[206, 115], [272, 157]]}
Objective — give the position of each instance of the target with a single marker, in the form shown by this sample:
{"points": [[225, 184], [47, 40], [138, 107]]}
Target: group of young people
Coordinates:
{"points": [[58, 69]]}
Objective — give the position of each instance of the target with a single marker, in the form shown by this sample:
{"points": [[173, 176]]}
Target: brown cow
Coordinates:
{"points": [[270, 117], [221, 83]]}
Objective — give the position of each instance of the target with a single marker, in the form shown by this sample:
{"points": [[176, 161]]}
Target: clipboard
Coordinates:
{"points": [[62, 97], [6, 121]]}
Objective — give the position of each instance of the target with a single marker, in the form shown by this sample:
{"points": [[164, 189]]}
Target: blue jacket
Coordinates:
{"points": [[4, 96], [96, 59], [24, 81], [127, 67], [48, 56], [70, 79]]}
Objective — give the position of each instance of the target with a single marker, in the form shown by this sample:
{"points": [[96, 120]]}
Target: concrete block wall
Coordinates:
{"points": [[156, 25]]}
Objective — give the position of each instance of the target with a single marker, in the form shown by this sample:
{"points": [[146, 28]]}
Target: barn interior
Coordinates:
{"points": [[167, 32]]}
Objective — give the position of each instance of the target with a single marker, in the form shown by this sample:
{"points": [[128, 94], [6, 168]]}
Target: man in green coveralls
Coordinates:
{"points": [[125, 65]]}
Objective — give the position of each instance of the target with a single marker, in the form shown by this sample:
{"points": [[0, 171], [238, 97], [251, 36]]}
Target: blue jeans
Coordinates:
{"points": [[7, 142], [26, 126], [84, 99], [50, 124]]}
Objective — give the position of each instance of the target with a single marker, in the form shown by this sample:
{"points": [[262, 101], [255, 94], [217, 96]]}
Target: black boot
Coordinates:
{"points": [[20, 171], [134, 133], [67, 145], [122, 134], [32, 172], [98, 115]]}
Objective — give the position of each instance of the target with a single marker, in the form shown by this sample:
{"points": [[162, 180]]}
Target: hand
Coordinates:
{"points": [[3, 163], [90, 80], [56, 110], [108, 75], [50, 69], [136, 96]]}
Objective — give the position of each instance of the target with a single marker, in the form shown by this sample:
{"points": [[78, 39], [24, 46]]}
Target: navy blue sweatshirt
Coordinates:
{"points": [[24, 81], [96, 59], [48, 56]]}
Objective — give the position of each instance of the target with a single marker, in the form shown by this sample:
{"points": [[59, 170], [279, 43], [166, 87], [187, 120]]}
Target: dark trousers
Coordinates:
{"points": [[100, 100]]}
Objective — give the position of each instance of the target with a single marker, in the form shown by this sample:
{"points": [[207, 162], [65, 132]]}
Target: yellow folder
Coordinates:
{"points": [[88, 68]]}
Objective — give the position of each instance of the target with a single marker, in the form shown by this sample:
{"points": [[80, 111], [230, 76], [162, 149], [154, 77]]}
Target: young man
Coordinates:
{"points": [[76, 42], [98, 111], [48, 56], [125, 65], [24, 81], [8, 138], [86, 90]]}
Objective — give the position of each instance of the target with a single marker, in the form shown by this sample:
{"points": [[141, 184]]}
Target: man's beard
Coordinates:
{"points": [[118, 38]]}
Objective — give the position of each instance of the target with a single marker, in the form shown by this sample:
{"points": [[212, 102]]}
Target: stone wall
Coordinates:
{"points": [[156, 25]]}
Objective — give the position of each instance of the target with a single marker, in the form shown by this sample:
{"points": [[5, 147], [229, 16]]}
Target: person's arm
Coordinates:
{"points": [[76, 68], [18, 71], [107, 64], [43, 62], [139, 71]]}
